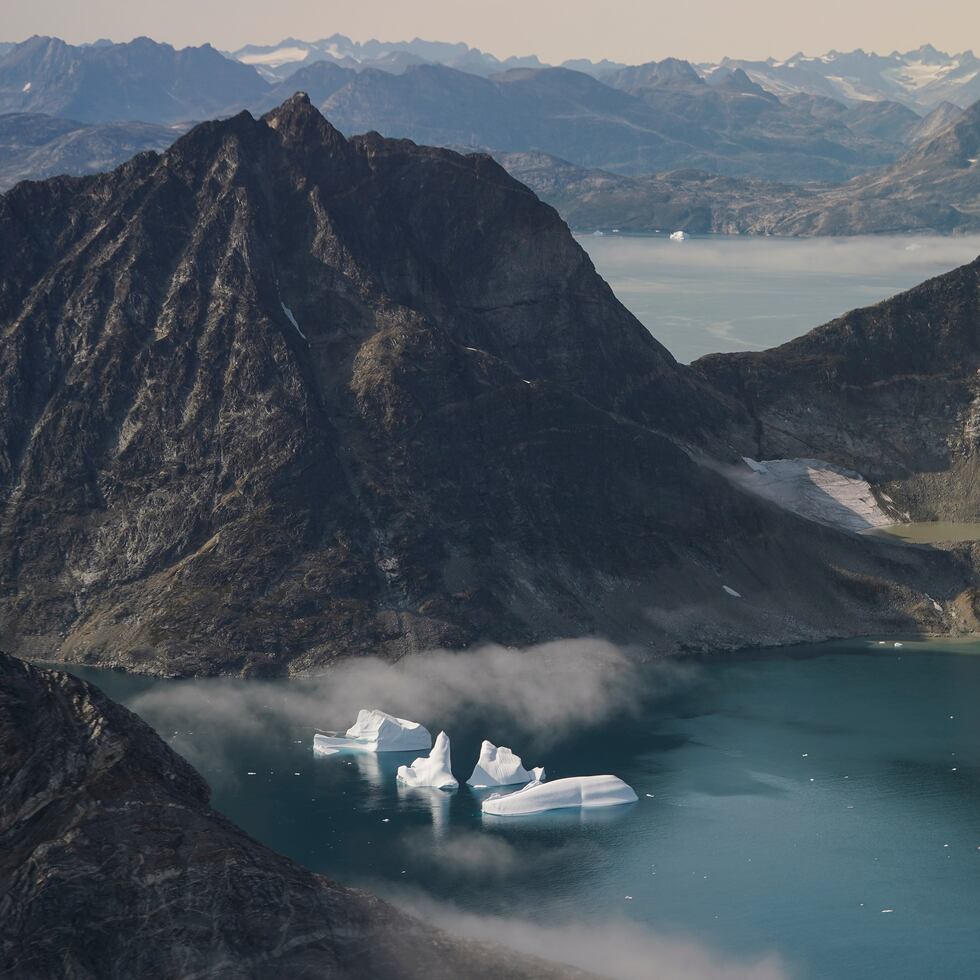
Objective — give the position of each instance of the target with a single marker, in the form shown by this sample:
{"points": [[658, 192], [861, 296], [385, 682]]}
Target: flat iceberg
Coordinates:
{"points": [[576, 791], [434, 770], [498, 766], [377, 731]]}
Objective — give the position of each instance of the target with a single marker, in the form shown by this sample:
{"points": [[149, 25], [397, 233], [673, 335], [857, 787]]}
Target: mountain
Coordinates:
{"points": [[34, 146], [277, 397], [113, 864], [636, 129], [921, 79], [141, 80], [945, 114], [934, 187], [690, 200], [279, 61], [636, 120], [846, 392]]}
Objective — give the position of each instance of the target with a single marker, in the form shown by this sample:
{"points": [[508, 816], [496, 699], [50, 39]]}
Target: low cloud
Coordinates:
{"points": [[618, 949], [546, 692]]}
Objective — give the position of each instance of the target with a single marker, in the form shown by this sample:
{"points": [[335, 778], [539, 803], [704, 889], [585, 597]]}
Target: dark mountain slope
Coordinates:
{"points": [[892, 390], [276, 397], [113, 865]]}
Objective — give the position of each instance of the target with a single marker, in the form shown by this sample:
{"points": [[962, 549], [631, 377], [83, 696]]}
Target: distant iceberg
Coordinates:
{"points": [[678, 236], [434, 770], [377, 731], [576, 791], [498, 766]]}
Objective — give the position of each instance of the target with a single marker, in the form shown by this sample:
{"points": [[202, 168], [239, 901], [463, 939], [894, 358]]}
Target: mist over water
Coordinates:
{"points": [[787, 802], [719, 294]]}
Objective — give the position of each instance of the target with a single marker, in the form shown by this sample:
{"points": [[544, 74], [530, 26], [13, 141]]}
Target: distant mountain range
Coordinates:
{"points": [[34, 145], [664, 144], [934, 187], [921, 79], [277, 61], [106, 82], [644, 119]]}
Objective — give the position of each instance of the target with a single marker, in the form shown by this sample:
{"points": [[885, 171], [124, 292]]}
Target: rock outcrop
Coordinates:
{"points": [[113, 865]]}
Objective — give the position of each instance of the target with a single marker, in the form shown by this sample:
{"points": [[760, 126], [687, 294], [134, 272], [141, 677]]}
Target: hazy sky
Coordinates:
{"points": [[624, 30]]}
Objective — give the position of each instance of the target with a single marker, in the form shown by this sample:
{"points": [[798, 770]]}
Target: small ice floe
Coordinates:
{"points": [[650, 796], [732, 592], [27, 87], [376, 731], [498, 766], [883, 911], [678, 236], [576, 791], [897, 644], [251, 774], [433, 770]]}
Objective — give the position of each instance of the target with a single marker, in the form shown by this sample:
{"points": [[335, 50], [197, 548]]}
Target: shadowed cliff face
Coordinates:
{"points": [[113, 865], [892, 391], [276, 397]]}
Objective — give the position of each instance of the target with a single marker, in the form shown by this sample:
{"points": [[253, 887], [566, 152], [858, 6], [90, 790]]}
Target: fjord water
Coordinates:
{"points": [[819, 806], [718, 293]]}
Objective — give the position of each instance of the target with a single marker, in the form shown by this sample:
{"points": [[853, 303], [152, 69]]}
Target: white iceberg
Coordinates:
{"points": [[678, 236], [498, 766], [377, 731], [434, 770], [577, 791]]}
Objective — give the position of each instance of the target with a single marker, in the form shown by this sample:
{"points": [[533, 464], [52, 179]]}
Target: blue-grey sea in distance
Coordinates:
{"points": [[719, 293]]}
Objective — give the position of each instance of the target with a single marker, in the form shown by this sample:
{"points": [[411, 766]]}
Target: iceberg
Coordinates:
{"points": [[433, 770], [498, 766], [678, 236], [576, 791], [377, 731]]}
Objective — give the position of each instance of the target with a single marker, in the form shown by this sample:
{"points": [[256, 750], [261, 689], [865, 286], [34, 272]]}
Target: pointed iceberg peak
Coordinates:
{"points": [[498, 766], [434, 770]]}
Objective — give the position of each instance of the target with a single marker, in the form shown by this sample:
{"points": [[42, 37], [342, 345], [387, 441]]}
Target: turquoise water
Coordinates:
{"points": [[718, 294], [786, 801]]}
